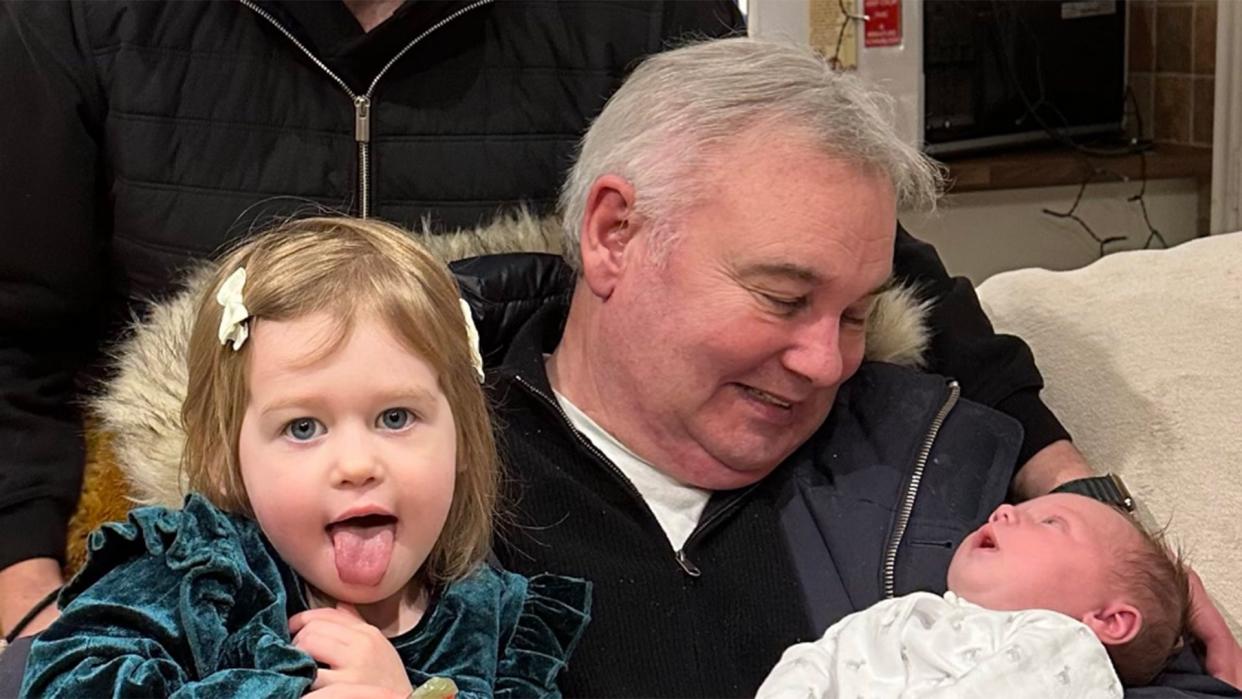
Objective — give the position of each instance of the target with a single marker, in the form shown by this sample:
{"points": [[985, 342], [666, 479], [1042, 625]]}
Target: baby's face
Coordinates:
{"points": [[349, 459], [1053, 552]]}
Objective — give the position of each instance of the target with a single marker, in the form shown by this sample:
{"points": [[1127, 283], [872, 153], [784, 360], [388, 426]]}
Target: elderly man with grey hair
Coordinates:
{"points": [[696, 430]]}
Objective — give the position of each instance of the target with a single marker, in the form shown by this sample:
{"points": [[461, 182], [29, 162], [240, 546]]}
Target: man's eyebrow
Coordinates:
{"points": [[789, 270], [806, 275]]}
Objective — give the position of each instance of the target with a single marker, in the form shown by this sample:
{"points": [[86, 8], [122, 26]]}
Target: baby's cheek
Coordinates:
{"points": [[964, 578]]}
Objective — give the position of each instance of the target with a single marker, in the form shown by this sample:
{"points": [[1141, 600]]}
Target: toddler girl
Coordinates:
{"points": [[343, 474]]}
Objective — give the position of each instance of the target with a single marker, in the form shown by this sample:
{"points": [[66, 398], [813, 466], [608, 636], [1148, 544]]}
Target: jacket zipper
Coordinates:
{"points": [[365, 102], [682, 558], [912, 490], [687, 566]]}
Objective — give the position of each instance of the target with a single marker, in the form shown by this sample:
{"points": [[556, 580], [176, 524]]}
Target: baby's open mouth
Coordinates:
{"points": [[987, 541]]}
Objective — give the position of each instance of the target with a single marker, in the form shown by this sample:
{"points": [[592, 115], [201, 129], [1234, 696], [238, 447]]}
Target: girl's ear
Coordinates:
{"points": [[608, 226], [1116, 624]]}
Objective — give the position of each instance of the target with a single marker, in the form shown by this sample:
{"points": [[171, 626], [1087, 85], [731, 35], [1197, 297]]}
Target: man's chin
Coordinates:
{"points": [[731, 471]]}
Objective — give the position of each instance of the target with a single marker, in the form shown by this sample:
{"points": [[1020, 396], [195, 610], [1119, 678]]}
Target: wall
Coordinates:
{"points": [[981, 233], [779, 19], [1172, 64]]}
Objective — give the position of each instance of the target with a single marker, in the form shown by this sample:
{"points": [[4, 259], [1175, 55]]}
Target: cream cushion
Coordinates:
{"points": [[1141, 354]]}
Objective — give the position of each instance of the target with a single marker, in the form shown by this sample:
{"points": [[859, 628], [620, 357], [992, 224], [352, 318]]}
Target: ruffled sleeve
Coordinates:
{"points": [[172, 603], [553, 615]]}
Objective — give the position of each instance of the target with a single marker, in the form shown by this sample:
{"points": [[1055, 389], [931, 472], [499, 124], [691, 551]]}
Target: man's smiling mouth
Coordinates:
{"points": [[765, 397]]}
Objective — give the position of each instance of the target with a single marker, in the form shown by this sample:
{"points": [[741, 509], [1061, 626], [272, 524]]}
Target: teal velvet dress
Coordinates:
{"points": [[195, 603]]}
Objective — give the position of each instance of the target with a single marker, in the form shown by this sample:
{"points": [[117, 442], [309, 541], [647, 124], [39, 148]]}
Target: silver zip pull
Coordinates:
{"points": [[687, 565], [362, 135], [362, 119]]}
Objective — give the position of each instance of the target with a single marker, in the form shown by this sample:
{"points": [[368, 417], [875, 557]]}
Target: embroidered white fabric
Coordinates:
{"points": [[925, 645]]}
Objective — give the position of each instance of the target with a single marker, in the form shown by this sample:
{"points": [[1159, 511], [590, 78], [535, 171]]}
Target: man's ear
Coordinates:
{"points": [[1115, 624], [608, 226]]}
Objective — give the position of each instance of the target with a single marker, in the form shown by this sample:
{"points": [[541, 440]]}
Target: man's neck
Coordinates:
{"points": [[372, 13], [569, 371], [574, 371]]}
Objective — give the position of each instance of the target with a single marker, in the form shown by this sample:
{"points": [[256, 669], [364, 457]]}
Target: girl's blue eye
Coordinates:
{"points": [[395, 419], [303, 429]]}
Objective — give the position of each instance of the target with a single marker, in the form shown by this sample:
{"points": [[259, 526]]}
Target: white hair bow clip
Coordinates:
{"points": [[233, 317], [472, 335]]}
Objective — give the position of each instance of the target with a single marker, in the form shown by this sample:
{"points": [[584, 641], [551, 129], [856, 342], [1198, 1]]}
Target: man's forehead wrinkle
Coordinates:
{"points": [[782, 269]]}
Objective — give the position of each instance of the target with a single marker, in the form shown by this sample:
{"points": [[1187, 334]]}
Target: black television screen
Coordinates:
{"points": [[998, 72]]}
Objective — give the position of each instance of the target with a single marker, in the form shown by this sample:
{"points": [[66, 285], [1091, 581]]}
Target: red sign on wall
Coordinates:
{"points": [[883, 25]]}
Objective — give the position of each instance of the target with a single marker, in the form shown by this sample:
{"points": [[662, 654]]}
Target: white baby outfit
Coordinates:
{"points": [[925, 645]]}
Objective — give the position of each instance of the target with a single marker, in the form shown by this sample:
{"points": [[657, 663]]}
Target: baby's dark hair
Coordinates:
{"points": [[1156, 580]]}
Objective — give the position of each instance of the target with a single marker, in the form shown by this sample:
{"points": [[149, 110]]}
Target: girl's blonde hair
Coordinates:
{"points": [[348, 268]]}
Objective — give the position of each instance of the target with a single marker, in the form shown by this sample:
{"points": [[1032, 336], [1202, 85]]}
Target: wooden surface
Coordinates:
{"points": [[1051, 167]]}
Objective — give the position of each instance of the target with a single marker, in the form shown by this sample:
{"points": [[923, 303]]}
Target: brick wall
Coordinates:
{"points": [[1172, 64]]}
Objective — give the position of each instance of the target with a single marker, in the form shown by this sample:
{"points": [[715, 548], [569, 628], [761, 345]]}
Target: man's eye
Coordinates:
{"points": [[857, 314], [784, 304], [303, 429], [394, 419], [857, 320]]}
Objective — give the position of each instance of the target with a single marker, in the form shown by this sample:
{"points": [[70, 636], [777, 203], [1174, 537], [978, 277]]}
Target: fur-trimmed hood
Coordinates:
{"points": [[140, 407]]}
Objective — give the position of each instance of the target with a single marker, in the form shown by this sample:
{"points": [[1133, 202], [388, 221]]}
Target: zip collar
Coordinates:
{"points": [[363, 102], [539, 335], [433, 15], [332, 32]]}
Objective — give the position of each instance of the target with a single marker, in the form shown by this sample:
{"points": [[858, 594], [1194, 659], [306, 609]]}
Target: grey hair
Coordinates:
{"points": [[680, 106]]}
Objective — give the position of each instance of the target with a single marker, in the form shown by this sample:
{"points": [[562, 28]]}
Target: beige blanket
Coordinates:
{"points": [[1142, 359]]}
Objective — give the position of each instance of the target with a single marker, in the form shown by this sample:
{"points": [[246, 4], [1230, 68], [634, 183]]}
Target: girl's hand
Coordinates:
{"points": [[359, 659], [354, 691]]}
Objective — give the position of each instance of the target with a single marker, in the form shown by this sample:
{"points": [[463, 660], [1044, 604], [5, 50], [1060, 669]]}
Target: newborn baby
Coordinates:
{"points": [[1058, 596]]}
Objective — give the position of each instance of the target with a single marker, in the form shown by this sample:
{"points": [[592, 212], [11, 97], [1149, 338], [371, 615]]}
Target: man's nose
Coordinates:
{"points": [[1005, 514], [815, 352]]}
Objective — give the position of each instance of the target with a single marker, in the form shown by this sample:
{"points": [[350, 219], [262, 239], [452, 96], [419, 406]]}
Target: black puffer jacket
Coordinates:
{"points": [[136, 136]]}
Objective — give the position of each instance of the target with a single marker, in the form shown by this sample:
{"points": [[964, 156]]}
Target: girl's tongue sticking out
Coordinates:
{"points": [[363, 547]]}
